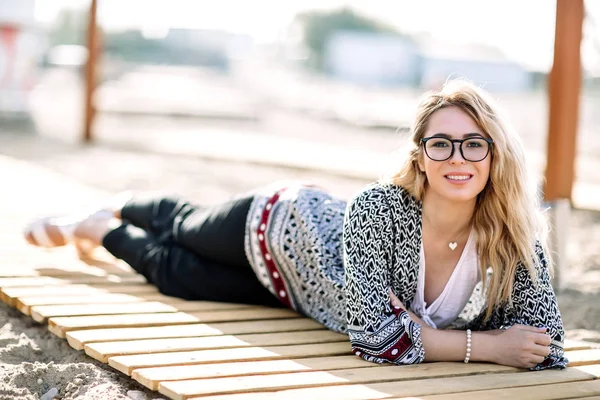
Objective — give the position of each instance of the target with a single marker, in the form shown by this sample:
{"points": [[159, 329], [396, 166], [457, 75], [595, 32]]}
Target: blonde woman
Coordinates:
{"points": [[445, 261]]}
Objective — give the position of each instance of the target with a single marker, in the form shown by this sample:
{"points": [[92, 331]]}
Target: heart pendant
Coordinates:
{"points": [[452, 245]]}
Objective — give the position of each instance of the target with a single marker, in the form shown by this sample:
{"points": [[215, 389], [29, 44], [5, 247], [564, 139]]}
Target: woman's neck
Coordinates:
{"points": [[448, 218]]}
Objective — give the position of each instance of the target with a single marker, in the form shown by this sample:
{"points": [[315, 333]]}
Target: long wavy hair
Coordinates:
{"points": [[508, 220]]}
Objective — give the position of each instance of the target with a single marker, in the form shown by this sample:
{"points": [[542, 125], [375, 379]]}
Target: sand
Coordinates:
{"points": [[33, 361]]}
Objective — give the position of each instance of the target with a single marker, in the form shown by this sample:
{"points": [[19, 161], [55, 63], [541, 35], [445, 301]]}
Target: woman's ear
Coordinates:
{"points": [[420, 164]]}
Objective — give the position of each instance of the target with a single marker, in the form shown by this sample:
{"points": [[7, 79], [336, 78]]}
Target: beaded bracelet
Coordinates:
{"points": [[468, 346]]}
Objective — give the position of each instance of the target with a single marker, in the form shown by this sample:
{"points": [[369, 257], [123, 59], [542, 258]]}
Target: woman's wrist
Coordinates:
{"points": [[483, 347]]}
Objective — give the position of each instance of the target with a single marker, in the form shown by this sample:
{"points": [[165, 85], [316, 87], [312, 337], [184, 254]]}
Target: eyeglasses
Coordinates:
{"points": [[471, 149]]}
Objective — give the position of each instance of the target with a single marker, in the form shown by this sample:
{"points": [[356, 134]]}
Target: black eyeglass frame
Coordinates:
{"points": [[460, 141]]}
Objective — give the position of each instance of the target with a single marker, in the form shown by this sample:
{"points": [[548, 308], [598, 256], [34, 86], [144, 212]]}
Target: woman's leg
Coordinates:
{"points": [[185, 250], [157, 214], [177, 271], [216, 232]]}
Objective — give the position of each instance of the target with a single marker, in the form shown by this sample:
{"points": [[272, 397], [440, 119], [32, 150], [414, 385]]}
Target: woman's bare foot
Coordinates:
{"points": [[85, 231], [50, 232]]}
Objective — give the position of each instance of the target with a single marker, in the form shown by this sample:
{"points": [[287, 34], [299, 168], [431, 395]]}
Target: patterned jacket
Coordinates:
{"points": [[335, 263], [382, 238]]}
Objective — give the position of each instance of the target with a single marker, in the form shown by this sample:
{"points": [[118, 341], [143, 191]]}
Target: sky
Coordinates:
{"points": [[522, 29]]}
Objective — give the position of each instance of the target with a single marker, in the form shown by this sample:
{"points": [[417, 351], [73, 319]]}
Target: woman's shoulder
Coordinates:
{"points": [[385, 191]]}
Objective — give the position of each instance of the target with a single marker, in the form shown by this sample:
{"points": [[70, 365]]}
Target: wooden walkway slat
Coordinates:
{"points": [[24, 304], [410, 388], [192, 388], [10, 295], [102, 351], [41, 313], [48, 280], [539, 392], [61, 325], [77, 339], [127, 364], [152, 377], [583, 357]]}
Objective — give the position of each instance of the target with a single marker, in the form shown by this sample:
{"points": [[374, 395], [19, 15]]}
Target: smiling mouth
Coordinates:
{"points": [[458, 177]]}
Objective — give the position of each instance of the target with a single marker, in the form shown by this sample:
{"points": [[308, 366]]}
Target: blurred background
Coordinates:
{"points": [[319, 84]]}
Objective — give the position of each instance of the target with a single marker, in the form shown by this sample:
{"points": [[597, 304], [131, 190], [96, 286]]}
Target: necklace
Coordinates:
{"points": [[452, 245]]}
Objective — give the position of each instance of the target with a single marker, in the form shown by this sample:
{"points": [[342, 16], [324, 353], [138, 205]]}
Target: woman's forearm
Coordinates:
{"points": [[442, 345]]}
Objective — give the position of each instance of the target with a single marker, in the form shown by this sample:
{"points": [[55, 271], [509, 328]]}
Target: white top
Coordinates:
{"points": [[446, 308]]}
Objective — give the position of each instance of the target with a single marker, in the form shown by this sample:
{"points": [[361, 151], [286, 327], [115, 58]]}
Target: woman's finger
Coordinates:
{"points": [[542, 339], [530, 328], [542, 351], [395, 301], [537, 359]]}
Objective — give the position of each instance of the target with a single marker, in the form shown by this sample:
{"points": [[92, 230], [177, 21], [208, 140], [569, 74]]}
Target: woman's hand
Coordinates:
{"points": [[397, 303], [521, 346]]}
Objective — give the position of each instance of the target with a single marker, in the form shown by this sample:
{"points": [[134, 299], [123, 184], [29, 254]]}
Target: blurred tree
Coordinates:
{"points": [[70, 28], [318, 26]]}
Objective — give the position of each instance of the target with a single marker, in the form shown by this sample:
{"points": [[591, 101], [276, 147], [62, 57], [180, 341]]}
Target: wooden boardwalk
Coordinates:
{"points": [[189, 350]]}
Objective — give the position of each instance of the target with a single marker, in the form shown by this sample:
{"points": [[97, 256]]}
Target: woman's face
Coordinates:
{"points": [[455, 179]]}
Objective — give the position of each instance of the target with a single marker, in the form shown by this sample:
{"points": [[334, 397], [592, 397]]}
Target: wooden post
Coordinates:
{"points": [[90, 71], [564, 87]]}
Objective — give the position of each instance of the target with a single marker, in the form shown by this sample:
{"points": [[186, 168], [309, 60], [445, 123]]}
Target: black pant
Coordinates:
{"points": [[187, 251]]}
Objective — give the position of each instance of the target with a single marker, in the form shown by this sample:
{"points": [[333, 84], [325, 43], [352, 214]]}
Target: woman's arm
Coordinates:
{"points": [[520, 346], [534, 304], [378, 331]]}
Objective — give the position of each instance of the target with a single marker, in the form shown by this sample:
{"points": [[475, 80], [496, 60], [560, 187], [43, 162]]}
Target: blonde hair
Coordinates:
{"points": [[507, 218]]}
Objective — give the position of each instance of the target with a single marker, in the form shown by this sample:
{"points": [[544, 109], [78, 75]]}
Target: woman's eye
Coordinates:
{"points": [[474, 143], [440, 144]]}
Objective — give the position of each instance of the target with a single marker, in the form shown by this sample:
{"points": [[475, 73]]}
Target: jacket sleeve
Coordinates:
{"points": [[378, 332], [533, 304]]}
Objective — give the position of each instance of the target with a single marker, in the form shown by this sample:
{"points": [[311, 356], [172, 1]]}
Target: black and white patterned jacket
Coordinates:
{"points": [[334, 262], [382, 238]]}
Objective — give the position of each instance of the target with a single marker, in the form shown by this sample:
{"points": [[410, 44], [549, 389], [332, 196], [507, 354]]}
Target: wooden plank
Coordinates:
{"points": [[117, 321], [538, 392], [9, 295], [77, 339], [60, 325], [571, 345], [414, 388], [264, 383], [583, 357], [41, 313], [593, 370], [193, 306], [48, 280], [24, 304], [58, 272], [127, 364], [102, 351], [151, 377]]}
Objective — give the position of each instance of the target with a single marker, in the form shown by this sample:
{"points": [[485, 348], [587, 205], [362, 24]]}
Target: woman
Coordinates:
{"points": [[444, 261]]}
